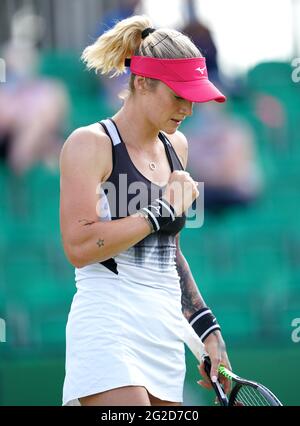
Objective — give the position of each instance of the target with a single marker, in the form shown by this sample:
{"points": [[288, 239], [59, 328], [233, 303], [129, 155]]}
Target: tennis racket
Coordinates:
{"points": [[244, 392]]}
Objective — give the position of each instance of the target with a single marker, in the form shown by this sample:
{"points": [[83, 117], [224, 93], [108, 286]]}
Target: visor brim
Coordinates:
{"points": [[196, 91]]}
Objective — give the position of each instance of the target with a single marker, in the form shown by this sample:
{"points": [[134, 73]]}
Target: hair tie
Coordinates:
{"points": [[127, 62], [147, 31]]}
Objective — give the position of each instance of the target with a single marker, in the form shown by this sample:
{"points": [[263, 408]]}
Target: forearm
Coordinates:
{"points": [[98, 241], [191, 298]]}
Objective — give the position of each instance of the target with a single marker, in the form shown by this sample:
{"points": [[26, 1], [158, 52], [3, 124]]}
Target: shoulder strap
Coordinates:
{"points": [[111, 131], [167, 144], [170, 151]]}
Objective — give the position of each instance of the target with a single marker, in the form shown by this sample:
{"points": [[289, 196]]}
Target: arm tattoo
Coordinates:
{"points": [[86, 222], [191, 299], [100, 243]]}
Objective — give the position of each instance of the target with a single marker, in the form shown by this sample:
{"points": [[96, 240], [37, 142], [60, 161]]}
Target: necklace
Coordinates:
{"points": [[152, 165]]}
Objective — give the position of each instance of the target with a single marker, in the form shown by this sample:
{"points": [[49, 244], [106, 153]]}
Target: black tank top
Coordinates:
{"points": [[118, 194], [123, 167]]}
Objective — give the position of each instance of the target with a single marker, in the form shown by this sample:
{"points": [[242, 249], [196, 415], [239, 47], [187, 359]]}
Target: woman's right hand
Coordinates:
{"points": [[181, 191]]}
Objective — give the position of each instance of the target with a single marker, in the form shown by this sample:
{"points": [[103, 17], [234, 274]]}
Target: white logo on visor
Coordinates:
{"points": [[201, 70]]}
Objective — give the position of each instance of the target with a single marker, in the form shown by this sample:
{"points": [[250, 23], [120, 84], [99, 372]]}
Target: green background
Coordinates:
{"points": [[246, 262]]}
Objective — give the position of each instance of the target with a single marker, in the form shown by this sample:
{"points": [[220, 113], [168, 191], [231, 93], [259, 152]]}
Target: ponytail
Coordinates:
{"points": [[110, 50]]}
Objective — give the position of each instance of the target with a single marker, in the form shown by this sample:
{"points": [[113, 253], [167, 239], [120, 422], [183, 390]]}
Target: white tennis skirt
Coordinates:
{"points": [[121, 332]]}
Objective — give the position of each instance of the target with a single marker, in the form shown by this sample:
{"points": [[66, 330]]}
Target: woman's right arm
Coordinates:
{"points": [[83, 164]]}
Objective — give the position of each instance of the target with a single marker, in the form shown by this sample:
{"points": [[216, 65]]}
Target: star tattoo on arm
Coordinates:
{"points": [[100, 243]]}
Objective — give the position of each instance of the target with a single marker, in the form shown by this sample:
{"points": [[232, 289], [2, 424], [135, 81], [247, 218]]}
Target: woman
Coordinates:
{"points": [[124, 331]]}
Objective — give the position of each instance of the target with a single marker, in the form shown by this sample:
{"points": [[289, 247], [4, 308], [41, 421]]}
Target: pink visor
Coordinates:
{"points": [[186, 77]]}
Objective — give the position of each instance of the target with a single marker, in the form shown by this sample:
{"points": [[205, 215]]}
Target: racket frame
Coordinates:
{"points": [[195, 344]]}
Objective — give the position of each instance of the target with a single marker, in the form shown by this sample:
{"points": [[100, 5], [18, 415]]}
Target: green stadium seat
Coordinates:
{"points": [[236, 321], [270, 75], [67, 67]]}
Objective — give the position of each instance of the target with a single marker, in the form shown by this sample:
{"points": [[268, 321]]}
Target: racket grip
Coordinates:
{"points": [[217, 385]]}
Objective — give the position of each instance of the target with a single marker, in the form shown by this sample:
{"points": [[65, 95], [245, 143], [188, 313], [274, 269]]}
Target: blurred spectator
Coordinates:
{"points": [[33, 109], [222, 155], [202, 37]]}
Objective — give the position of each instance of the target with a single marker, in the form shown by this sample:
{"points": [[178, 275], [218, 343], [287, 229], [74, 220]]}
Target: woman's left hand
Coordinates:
{"points": [[216, 350]]}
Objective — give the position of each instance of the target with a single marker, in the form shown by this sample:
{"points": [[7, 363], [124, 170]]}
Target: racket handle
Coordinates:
{"points": [[217, 386]]}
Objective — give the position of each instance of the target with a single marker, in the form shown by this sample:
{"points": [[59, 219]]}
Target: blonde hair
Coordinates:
{"points": [[124, 40]]}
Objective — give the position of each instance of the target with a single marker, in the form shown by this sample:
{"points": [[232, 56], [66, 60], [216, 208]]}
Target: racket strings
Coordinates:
{"points": [[250, 396]]}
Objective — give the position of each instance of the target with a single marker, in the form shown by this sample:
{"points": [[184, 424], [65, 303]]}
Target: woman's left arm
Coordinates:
{"points": [[192, 301], [191, 298]]}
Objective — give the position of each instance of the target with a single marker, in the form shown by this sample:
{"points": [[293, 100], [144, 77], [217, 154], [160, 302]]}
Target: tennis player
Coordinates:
{"points": [[124, 336]]}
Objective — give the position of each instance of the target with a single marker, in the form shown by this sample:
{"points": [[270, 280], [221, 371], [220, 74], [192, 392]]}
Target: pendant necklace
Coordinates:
{"points": [[152, 165]]}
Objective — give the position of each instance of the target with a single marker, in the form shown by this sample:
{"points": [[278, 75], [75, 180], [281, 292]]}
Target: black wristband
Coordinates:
{"points": [[160, 213], [204, 323]]}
